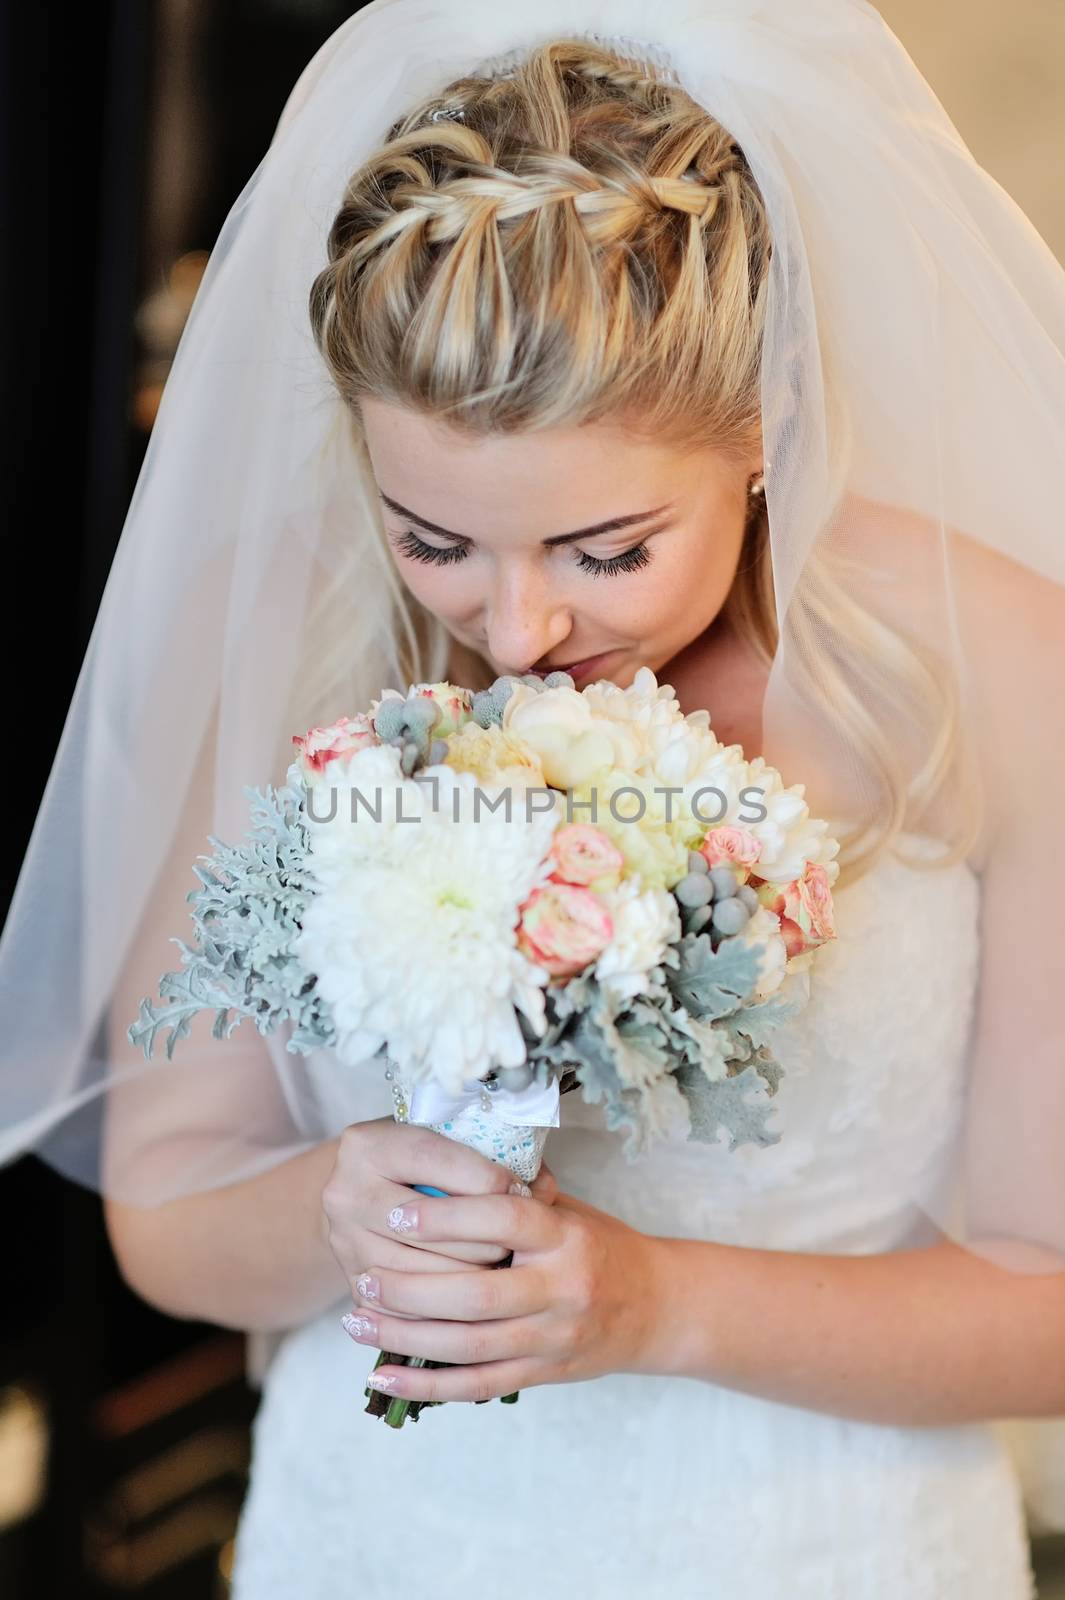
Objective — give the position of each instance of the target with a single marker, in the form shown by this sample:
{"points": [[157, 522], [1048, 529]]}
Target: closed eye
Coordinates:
{"points": [[630, 560]]}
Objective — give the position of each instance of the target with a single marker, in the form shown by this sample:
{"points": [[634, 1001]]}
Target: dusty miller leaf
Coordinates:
{"points": [[727, 1105], [709, 983], [247, 915]]}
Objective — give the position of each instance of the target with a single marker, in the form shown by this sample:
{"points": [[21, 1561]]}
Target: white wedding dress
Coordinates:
{"points": [[674, 1488]]}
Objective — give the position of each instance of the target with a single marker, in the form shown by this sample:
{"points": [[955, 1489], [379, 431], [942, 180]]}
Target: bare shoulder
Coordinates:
{"points": [[928, 566]]}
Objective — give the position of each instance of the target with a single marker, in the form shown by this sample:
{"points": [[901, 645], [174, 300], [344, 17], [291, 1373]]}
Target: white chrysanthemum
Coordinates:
{"points": [[412, 931], [644, 705], [789, 836], [646, 923]]}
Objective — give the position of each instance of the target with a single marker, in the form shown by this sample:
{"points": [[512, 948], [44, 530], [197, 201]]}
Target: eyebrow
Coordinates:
{"points": [[613, 525]]}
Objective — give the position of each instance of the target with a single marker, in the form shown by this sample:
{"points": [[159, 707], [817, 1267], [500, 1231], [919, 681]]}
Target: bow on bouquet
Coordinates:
{"points": [[420, 893]]}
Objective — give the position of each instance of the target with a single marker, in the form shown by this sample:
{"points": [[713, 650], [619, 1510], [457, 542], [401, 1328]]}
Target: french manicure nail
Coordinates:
{"points": [[403, 1219], [381, 1380], [522, 1189], [363, 1329]]}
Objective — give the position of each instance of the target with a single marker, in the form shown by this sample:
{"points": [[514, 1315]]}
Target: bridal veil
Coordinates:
{"points": [[913, 411]]}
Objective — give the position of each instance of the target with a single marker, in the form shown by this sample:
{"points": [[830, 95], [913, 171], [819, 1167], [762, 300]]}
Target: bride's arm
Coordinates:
{"points": [[253, 1254], [934, 1335]]}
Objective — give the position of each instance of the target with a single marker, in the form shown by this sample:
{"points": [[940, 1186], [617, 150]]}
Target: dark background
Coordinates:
{"points": [[126, 140], [129, 128]]}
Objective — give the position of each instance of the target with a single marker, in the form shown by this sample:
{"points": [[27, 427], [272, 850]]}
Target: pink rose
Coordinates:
{"points": [[584, 855], [563, 928], [320, 746], [730, 846], [805, 909]]}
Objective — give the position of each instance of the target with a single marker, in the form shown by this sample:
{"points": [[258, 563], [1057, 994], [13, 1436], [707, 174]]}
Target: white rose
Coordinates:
{"points": [[572, 743]]}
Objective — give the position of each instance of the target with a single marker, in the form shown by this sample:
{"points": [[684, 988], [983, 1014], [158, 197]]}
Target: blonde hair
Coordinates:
{"points": [[579, 240]]}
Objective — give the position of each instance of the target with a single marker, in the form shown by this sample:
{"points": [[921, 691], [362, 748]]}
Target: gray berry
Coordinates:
{"points": [[421, 710], [730, 916], [389, 720], [725, 882], [484, 708], [559, 680], [516, 1078], [749, 897], [697, 862], [693, 890], [696, 920], [533, 680], [437, 752]]}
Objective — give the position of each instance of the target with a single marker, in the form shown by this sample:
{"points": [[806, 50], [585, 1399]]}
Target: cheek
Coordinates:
{"points": [[445, 591], [679, 594]]}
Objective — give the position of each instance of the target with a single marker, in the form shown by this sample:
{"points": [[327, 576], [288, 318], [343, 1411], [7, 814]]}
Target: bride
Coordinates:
{"points": [[689, 337]]}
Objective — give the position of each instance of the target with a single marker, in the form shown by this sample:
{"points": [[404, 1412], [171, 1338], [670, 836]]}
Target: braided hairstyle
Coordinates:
{"points": [[574, 240]]}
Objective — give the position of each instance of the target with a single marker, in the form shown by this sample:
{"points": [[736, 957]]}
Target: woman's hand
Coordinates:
{"points": [[376, 1163], [582, 1298]]}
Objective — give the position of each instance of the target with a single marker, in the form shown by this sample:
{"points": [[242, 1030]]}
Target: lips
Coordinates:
{"points": [[582, 668]]}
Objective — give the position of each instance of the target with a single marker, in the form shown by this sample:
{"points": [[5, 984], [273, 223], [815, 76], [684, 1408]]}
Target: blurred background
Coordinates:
{"points": [[124, 1435]]}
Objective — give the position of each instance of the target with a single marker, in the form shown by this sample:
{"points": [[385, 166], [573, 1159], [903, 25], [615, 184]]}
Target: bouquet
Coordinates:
{"points": [[506, 895]]}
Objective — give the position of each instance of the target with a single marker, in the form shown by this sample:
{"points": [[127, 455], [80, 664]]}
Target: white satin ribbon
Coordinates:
{"points": [[534, 1107]]}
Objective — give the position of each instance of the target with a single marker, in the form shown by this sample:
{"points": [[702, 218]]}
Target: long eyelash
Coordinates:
{"points": [[599, 567], [414, 547], [628, 561]]}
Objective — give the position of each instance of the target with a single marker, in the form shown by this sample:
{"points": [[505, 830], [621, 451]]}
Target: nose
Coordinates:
{"points": [[524, 619]]}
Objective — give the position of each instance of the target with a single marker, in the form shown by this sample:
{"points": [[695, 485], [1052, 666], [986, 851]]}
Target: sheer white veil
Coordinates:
{"points": [[913, 395]]}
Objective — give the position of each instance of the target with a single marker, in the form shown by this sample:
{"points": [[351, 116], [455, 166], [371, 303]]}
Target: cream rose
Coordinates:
{"points": [[493, 756], [584, 855], [573, 745], [730, 847], [319, 746], [453, 704]]}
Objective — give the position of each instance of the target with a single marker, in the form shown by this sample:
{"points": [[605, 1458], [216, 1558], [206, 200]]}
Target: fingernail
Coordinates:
{"points": [[522, 1189], [367, 1286], [363, 1329], [381, 1380], [403, 1219]]}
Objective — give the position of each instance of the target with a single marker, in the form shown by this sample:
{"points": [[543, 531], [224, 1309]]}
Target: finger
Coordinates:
{"points": [[385, 1196], [486, 1382], [466, 1343], [545, 1185], [425, 1156], [394, 1256], [464, 1252], [503, 1219], [453, 1296]]}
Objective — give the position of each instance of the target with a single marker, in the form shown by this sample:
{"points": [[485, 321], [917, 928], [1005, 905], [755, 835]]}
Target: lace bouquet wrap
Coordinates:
{"points": [[419, 896]]}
